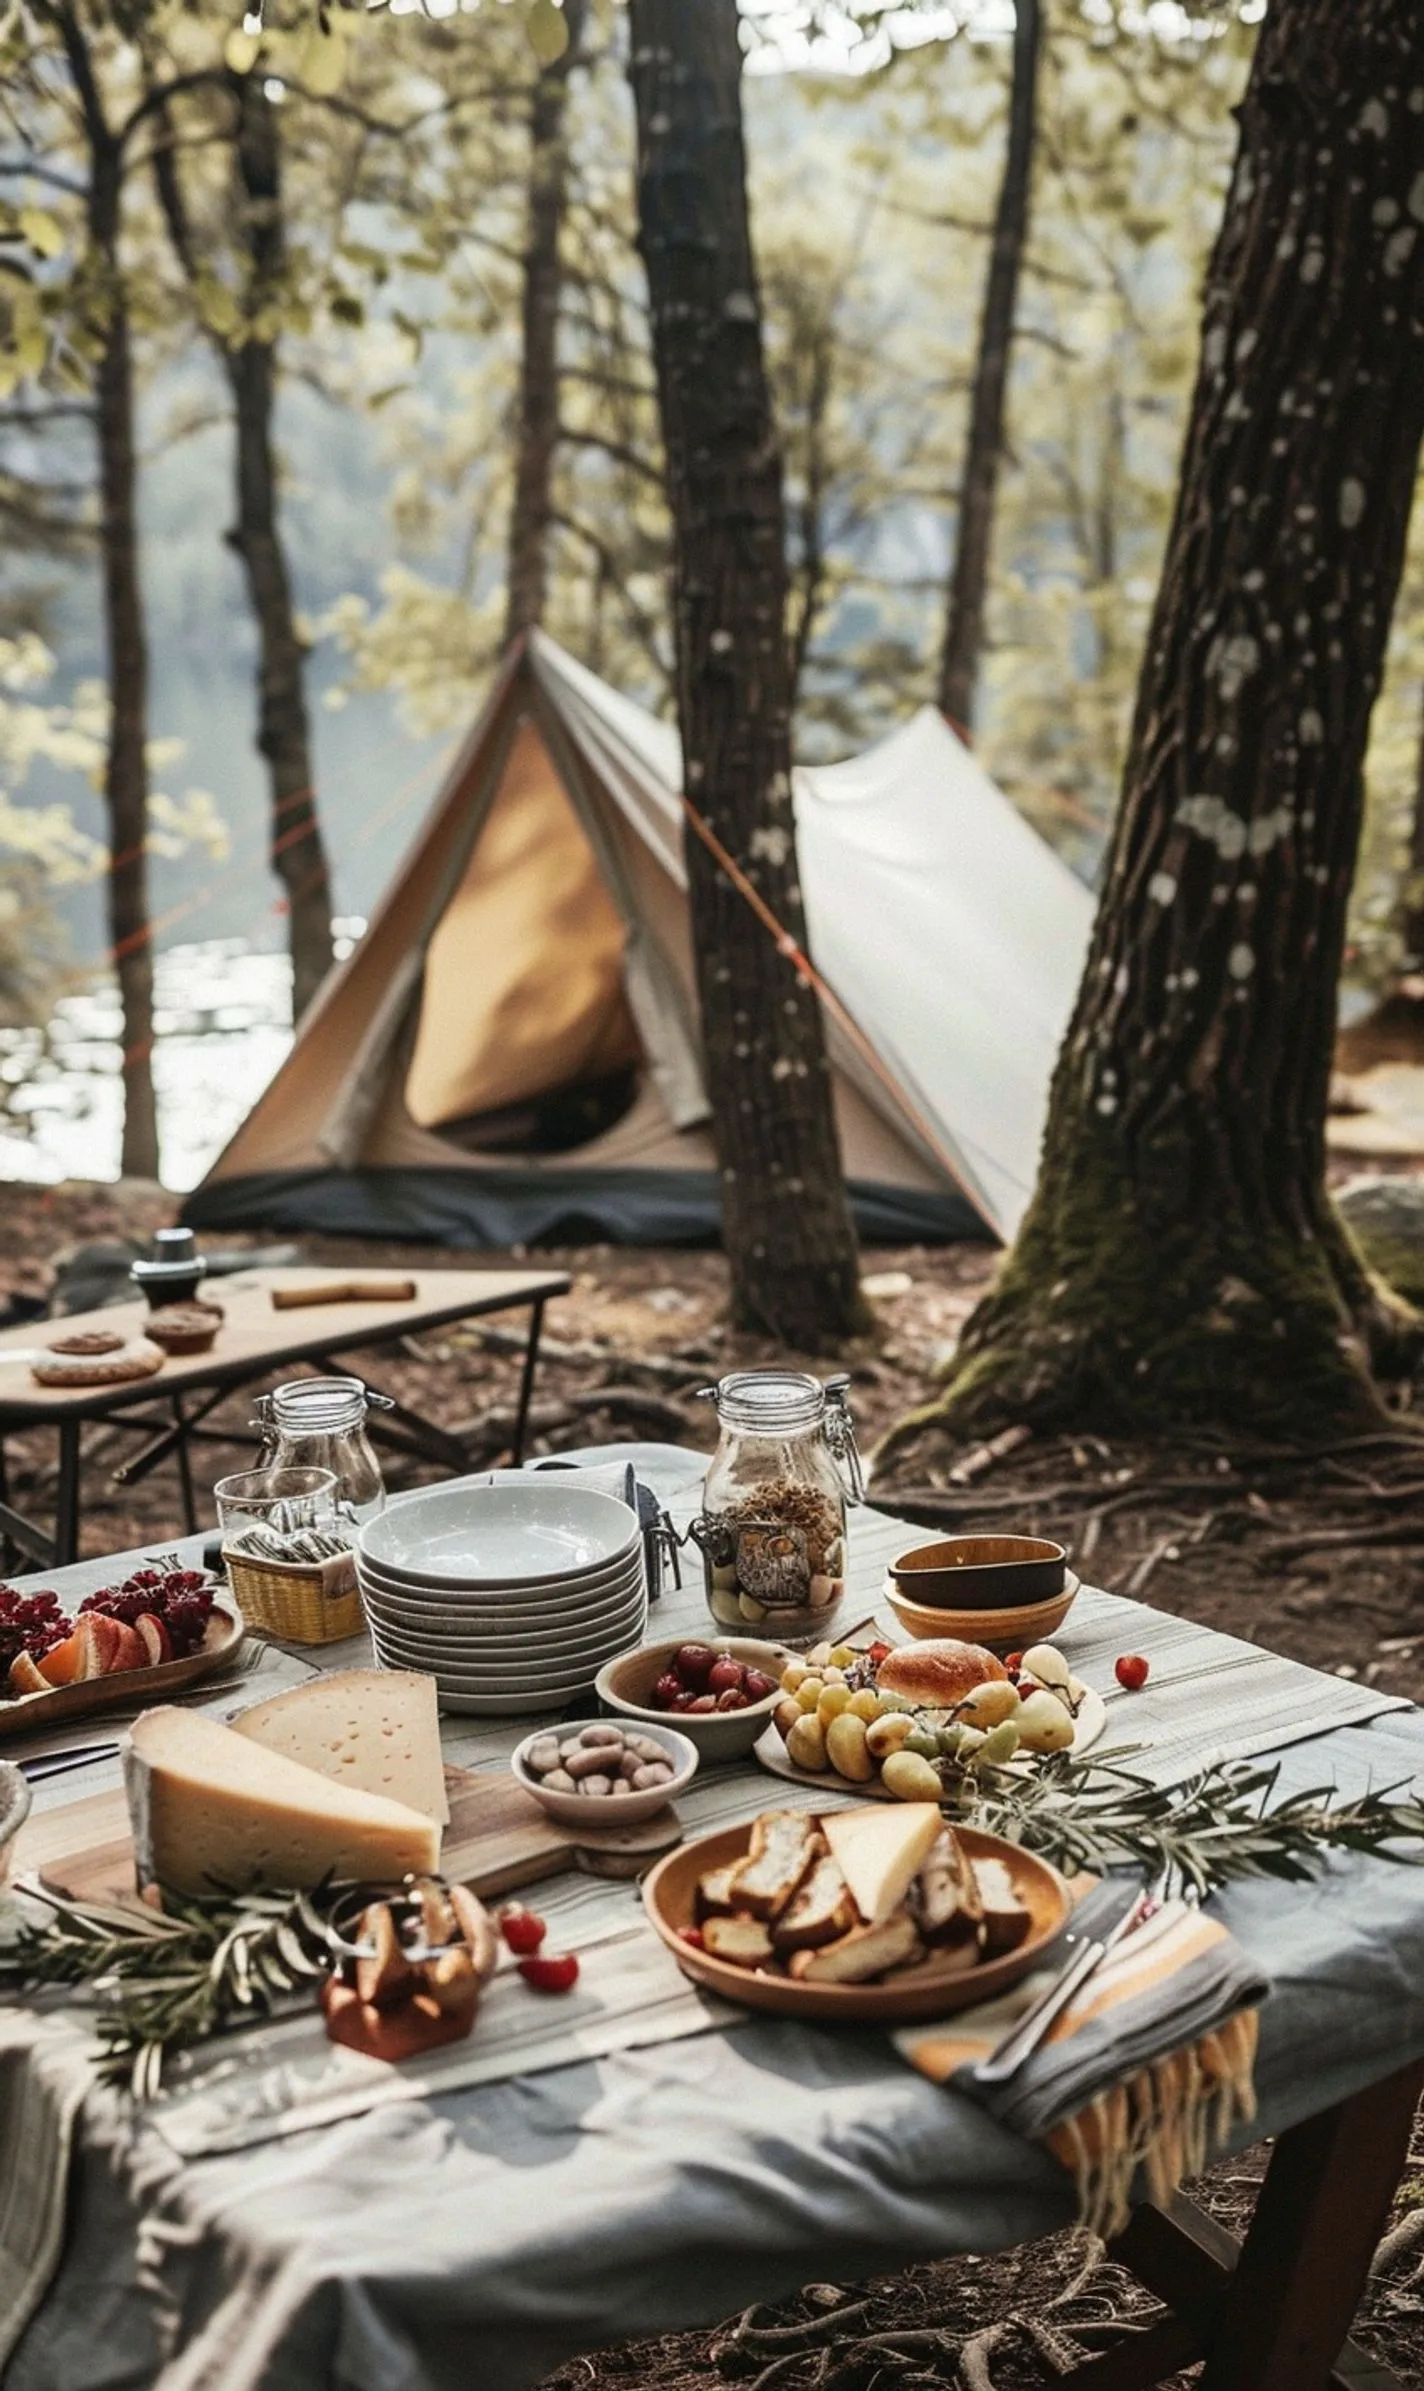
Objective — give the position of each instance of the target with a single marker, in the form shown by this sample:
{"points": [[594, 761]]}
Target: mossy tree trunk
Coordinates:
{"points": [[786, 1221], [126, 640], [1411, 921], [983, 453], [1180, 1260], [537, 434]]}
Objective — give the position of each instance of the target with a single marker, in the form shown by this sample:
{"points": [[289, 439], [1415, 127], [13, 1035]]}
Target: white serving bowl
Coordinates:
{"points": [[626, 1681], [489, 1615], [516, 1652], [504, 1536], [578, 1809], [14, 1810], [509, 1706], [470, 1673], [436, 1587]]}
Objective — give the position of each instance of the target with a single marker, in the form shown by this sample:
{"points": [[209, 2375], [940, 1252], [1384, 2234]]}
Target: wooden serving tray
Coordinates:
{"points": [[126, 1689], [498, 1839], [931, 1989]]}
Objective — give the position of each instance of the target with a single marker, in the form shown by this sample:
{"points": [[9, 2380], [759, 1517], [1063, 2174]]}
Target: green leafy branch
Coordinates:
{"points": [[165, 1982], [1214, 1829]]}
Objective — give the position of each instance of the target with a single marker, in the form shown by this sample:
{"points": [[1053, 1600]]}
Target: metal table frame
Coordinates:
{"points": [[173, 1423]]}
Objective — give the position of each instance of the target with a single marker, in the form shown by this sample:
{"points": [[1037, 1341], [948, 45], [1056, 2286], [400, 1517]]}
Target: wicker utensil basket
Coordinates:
{"points": [[298, 1602]]}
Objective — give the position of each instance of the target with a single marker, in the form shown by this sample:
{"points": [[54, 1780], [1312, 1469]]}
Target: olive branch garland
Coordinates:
{"points": [[1209, 1830], [165, 1982], [202, 1966]]}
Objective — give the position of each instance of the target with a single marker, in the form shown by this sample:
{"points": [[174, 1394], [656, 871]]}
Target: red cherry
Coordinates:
{"points": [[554, 1973], [1131, 1672], [522, 1929], [732, 1698], [702, 1703], [666, 1691], [725, 1675], [757, 1686], [693, 1664]]}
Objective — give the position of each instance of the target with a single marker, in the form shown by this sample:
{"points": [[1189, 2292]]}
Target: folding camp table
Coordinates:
{"points": [[255, 1339]]}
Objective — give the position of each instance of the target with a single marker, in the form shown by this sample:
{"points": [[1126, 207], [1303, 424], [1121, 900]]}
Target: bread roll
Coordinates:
{"points": [[937, 1673]]}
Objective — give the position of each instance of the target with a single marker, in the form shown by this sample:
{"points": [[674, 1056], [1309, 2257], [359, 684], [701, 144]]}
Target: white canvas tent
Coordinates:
{"points": [[511, 1053]]}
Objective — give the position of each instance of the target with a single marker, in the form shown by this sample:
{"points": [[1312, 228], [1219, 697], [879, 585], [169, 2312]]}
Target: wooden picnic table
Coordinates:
{"points": [[168, 1409], [495, 2231]]}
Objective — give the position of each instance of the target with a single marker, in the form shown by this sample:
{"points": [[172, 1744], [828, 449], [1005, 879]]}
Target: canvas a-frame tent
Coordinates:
{"points": [[511, 1054]]}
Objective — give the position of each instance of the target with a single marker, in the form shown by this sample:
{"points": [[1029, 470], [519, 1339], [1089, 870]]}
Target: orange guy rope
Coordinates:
{"points": [[801, 962]]}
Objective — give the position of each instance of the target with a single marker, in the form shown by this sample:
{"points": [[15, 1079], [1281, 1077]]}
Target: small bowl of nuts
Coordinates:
{"points": [[602, 1774]]}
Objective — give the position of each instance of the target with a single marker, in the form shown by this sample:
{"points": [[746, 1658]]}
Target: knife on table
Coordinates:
{"points": [[1114, 1911]]}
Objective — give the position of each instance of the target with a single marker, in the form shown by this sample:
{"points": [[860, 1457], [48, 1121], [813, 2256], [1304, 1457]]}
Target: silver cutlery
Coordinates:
{"points": [[1023, 2039]]}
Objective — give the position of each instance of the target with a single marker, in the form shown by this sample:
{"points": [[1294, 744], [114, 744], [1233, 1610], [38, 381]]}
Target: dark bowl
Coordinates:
{"points": [[988, 1573]]}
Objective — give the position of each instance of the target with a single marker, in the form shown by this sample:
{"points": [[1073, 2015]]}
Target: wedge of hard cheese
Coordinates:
{"points": [[376, 1730], [211, 1808], [881, 1851]]}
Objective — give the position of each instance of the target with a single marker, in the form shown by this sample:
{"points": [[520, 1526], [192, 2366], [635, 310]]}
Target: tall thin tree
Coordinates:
{"points": [[963, 642], [126, 786], [248, 354], [1180, 1258], [537, 435], [786, 1219]]}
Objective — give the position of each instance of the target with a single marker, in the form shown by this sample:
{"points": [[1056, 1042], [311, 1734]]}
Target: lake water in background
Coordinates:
{"points": [[222, 1026]]}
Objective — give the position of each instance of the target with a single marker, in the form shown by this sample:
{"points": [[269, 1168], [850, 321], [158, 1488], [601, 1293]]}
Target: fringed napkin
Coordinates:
{"points": [[1149, 2067]]}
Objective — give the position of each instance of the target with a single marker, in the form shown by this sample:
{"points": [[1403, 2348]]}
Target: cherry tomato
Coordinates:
{"points": [[522, 1929], [1131, 1672], [693, 1664], [1013, 1662], [693, 1937], [877, 1653], [551, 1972], [725, 1675]]}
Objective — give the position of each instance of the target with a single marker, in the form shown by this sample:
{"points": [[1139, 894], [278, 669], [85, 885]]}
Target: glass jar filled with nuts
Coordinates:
{"points": [[773, 1523]]}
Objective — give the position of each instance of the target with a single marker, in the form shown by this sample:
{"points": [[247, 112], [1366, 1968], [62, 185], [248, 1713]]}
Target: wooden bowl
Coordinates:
{"points": [[625, 1684], [963, 1573], [670, 1898], [998, 1629]]}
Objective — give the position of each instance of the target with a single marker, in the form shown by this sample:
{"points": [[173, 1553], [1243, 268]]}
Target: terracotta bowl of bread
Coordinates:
{"points": [[1000, 1628]]}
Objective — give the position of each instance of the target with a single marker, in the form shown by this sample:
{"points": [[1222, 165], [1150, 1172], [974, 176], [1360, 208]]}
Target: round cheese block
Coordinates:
{"points": [[135, 1359]]}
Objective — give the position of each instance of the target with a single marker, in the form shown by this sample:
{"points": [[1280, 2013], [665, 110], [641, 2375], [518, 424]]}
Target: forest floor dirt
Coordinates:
{"points": [[1322, 1560]]}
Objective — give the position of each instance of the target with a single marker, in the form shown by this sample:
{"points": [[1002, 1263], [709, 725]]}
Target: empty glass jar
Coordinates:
{"points": [[773, 1524], [320, 1423]]}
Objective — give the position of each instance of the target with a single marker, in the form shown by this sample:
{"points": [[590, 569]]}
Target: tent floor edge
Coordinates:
{"points": [[462, 1207]]}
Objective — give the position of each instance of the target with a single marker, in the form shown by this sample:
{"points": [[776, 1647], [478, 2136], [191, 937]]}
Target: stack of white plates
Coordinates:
{"points": [[510, 1596]]}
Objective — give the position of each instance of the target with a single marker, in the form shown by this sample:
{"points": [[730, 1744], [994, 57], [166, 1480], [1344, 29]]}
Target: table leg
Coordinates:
{"points": [[66, 1500], [1272, 2313], [1317, 2222], [185, 1467], [526, 1383]]}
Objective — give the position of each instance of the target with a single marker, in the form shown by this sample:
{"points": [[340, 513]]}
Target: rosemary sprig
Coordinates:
{"points": [[1214, 1828], [164, 1982]]}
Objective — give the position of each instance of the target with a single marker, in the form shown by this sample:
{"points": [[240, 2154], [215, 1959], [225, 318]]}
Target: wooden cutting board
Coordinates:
{"points": [[498, 1839]]}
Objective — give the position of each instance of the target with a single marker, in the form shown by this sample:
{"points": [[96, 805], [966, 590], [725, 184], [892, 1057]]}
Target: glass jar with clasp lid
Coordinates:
{"points": [[773, 1523], [320, 1423]]}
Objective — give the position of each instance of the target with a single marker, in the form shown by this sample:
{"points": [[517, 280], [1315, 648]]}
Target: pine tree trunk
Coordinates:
{"points": [[126, 645], [283, 729], [786, 1221], [969, 577], [538, 422], [1180, 1260]]}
